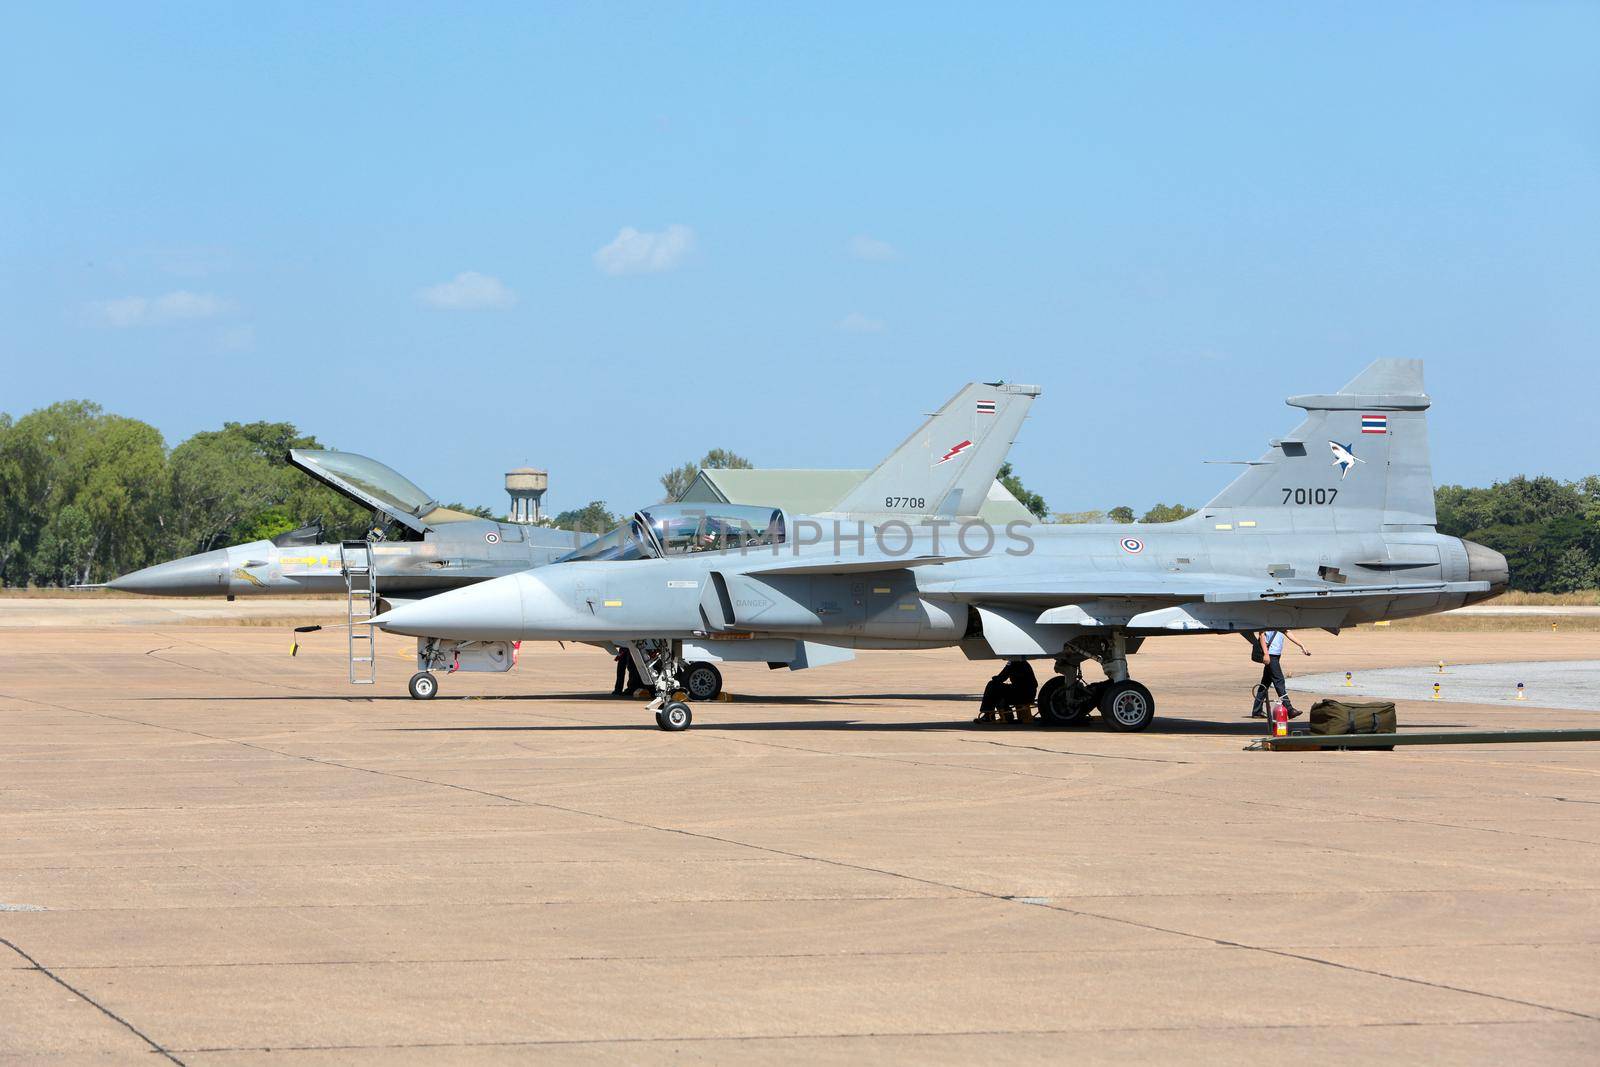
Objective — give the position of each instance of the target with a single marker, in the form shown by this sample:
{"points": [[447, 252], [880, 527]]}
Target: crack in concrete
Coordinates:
{"points": [[875, 1035], [35, 965]]}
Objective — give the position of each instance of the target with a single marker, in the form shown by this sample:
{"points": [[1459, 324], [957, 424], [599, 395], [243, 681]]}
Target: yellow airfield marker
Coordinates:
{"points": [[1436, 691], [1441, 666], [1347, 680], [1520, 694]]}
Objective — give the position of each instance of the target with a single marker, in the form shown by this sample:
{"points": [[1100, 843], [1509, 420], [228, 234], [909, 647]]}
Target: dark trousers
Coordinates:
{"points": [[627, 676], [1002, 693], [1272, 677]]}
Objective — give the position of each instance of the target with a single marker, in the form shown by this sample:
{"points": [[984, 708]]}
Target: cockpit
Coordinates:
{"points": [[681, 529]]}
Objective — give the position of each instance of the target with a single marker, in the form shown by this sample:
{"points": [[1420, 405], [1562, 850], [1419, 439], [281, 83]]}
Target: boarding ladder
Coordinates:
{"points": [[361, 604]]}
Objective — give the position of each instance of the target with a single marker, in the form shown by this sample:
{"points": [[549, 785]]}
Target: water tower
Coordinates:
{"points": [[526, 486]]}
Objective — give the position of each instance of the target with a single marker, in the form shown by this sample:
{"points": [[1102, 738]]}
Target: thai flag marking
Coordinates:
{"points": [[985, 407], [954, 452], [1374, 424]]}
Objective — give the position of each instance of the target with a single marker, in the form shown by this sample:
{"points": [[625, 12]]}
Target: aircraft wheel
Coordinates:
{"points": [[1127, 706], [424, 686], [702, 681], [674, 716], [1059, 705]]}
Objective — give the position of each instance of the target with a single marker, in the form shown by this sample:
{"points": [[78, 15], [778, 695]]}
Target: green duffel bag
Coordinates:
{"points": [[1353, 717]]}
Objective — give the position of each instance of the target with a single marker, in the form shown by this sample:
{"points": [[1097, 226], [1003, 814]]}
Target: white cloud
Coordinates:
{"points": [[175, 306], [856, 322], [641, 252], [872, 250], [468, 291]]}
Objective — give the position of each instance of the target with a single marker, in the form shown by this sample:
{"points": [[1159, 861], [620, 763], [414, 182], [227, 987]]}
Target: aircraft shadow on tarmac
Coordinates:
{"points": [[1160, 726], [605, 698]]}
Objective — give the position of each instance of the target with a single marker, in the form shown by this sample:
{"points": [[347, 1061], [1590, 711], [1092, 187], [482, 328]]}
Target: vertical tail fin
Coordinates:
{"points": [[1360, 455], [946, 468]]}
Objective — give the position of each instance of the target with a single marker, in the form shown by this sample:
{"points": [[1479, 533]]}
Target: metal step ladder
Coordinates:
{"points": [[361, 604]]}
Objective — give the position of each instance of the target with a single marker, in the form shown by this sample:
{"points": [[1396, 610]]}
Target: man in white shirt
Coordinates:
{"points": [[1271, 645]]}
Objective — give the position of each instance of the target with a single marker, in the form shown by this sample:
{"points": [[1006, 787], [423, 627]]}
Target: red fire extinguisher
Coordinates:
{"points": [[1280, 719]]}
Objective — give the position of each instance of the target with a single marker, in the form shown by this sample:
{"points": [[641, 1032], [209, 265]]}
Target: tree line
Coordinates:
{"points": [[86, 496]]}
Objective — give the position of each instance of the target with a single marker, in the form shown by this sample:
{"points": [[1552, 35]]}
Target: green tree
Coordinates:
{"points": [[1025, 496], [83, 494], [15, 518], [66, 548], [1167, 513], [593, 517], [1122, 513], [221, 482], [676, 481], [478, 510], [1572, 570], [233, 485]]}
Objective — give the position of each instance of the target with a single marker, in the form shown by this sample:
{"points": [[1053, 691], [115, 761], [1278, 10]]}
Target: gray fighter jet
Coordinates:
{"points": [[415, 548], [418, 549], [1333, 526]]}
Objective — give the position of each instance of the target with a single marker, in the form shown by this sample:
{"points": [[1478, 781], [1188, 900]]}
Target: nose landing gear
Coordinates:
{"points": [[674, 716], [660, 664]]}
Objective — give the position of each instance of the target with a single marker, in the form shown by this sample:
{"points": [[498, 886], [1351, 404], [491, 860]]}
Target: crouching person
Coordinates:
{"points": [[1014, 687]]}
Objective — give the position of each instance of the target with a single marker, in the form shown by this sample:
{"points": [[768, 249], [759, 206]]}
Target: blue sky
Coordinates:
{"points": [[604, 238]]}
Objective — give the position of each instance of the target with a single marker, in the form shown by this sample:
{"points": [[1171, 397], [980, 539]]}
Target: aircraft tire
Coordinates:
{"points": [[702, 681], [674, 716], [1127, 706], [423, 686], [1055, 709]]}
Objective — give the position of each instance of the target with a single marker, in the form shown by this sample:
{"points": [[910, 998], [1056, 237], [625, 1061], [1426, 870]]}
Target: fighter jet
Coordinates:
{"points": [[415, 548], [1292, 542], [418, 549]]}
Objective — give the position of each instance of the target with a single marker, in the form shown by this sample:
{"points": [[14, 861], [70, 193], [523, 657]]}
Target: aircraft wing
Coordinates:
{"points": [[1096, 585], [1033, 617], [1177, 589], [849, 565]]}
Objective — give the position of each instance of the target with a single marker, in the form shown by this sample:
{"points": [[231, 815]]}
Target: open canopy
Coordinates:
{"points": [[366, 481]]}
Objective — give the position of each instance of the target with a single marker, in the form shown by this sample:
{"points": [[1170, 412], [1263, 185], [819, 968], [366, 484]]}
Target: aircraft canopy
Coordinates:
{"points": [[368, 482], [679, 529]]}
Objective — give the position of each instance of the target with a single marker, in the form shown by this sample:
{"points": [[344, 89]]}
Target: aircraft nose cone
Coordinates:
{"points": [[205, 574], [489, 611], [1486, 565]]}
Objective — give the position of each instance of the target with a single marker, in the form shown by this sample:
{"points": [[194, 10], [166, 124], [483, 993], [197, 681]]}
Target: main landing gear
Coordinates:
{"points": [[702, 681], [1066, 700]]}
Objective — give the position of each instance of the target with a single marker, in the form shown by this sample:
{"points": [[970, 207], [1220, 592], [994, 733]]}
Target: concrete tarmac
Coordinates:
{"points": [[216, 854], [1574, 684]]}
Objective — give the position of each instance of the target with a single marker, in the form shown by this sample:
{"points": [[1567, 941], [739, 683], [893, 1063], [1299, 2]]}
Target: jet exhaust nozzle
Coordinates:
{"points": [[1484, 564]]}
